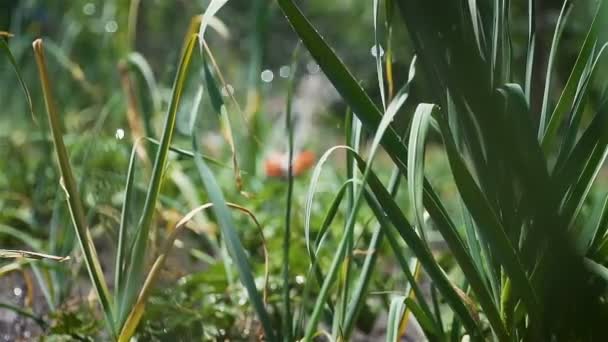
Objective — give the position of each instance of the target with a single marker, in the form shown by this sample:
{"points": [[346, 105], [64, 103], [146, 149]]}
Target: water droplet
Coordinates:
{"points": [[17, 291], [375, 49], [111, 26], [88, 8], [312, 67], [227, 90], [120, 134], [284, 71], [267, 76], [300, 279]]}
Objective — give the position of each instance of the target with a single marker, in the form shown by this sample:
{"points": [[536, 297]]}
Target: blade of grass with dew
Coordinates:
{"points": [[20, 79], [567, 97], [137, 260], [233, 243], [559, 29], [73, 196]]}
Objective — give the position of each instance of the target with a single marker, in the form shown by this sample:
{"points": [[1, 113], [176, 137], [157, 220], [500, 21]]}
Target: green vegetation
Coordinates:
{"points": [[459, 197]]}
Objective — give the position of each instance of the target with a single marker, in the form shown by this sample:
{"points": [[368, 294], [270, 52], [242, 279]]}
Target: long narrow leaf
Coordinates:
{"points": [[73, 195]]}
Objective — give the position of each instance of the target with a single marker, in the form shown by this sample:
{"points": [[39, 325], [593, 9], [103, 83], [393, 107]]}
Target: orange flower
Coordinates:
{"points": [[276, 164]]}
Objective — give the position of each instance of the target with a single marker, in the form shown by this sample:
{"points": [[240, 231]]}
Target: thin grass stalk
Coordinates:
{"points": [[530, 49], [121, 249], [287, 318], [73, 196]]}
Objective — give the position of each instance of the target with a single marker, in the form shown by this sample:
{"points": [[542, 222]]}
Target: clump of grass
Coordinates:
{"points": [[522, 212]]}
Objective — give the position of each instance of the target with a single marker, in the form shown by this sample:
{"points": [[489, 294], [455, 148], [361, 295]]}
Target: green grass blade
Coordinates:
{"points": [[415, 161], [73, 196], [393, 321], [378, 57], [137, 261], [559, 29], [287, 318], [233, 243], [121, 251]]}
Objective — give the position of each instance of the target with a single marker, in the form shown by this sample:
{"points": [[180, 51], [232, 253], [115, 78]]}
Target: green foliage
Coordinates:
{"points": [[469, 208]]}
